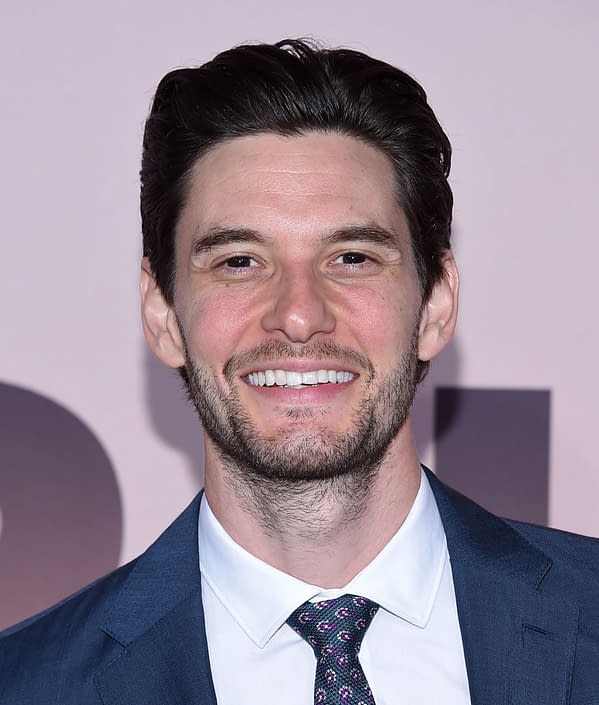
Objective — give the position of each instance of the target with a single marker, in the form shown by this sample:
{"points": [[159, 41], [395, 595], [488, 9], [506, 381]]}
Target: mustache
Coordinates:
{"points": [[275, 349]]}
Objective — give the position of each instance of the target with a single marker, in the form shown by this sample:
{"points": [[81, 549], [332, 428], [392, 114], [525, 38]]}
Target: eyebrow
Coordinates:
{"points": [[221, 237], [373, 234]]}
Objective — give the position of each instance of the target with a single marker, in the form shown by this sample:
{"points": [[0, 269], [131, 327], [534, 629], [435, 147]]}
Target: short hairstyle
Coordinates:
{"points": [[290, 88]]}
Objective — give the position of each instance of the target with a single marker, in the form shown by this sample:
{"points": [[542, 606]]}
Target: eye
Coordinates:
{"points": [[354, 263], [239, 266], [239, 262], [352, 258]]}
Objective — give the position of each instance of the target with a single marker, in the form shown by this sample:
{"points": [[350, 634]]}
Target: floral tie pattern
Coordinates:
{"points": [[335, 629]]}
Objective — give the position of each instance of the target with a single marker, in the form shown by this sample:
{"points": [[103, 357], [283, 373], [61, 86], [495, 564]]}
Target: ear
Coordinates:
{"points": [[439, 313], [159, 321]]}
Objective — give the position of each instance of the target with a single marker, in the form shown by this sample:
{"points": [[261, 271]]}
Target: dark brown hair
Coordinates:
{"points": [[289, 88]]}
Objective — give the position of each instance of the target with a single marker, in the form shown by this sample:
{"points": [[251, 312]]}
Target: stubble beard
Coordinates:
{"points": [[288, 478]]}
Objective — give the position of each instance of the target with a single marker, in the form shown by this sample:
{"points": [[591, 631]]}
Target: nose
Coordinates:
{"points": [[299, 308]]}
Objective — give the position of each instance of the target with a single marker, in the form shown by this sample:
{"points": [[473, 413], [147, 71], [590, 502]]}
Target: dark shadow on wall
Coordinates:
{"points": [[493, 445], [59, 501], [443, 371], [173, 417]]}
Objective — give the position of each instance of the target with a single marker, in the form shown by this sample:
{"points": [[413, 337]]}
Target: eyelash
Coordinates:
{"points": [[352, 254], [226, 263]]}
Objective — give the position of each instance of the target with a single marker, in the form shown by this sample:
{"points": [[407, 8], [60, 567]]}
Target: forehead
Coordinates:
{"points": [[301, 184]]}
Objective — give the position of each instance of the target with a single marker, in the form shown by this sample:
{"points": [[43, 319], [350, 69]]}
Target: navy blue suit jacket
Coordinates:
{"points": [[528, 604]]}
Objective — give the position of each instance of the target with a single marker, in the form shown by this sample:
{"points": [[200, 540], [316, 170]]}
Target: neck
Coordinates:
{"points": [[322, 532]]}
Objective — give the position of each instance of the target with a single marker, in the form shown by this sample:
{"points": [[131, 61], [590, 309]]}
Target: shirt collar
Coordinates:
{"points": [[403, 578]]}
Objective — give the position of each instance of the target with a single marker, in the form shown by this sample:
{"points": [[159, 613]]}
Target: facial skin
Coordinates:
{"points": [[293, 254]]}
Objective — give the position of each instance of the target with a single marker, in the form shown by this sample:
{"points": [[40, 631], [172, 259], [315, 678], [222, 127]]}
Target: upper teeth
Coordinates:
{"points": [[284, 378]]}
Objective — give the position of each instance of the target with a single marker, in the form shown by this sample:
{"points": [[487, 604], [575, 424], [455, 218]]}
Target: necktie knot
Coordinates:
{"points": [[334, 628]]}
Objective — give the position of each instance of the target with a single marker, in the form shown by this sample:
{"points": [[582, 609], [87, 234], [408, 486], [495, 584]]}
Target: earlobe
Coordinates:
{"points": [[439, 313], [159, 321]]}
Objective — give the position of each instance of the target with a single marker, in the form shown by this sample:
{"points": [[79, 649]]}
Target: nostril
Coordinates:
{"points": [[300, 311]]}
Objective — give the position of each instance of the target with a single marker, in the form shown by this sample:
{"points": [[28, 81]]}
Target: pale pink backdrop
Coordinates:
{"points": [[515, 85]]}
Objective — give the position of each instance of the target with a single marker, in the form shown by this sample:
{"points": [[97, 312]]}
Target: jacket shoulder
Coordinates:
{"points": [[554, 559], [577, 554], [54, 657], [59, 647]]}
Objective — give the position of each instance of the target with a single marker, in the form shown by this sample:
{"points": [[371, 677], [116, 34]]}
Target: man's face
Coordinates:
{"points": [[298, 302]]}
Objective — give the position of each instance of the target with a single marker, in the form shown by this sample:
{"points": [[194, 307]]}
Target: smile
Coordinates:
{"points": [[298, 380]]}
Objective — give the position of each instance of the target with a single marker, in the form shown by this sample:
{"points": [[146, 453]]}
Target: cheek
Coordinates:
{"points": [[215, 326], [383, 321]]}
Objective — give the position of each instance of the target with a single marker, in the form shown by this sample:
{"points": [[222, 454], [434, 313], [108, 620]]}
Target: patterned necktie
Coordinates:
{"points": [[335, 629]]}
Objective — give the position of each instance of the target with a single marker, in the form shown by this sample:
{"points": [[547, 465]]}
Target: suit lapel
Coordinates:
{"points": [[158, 621], [518, 631]]}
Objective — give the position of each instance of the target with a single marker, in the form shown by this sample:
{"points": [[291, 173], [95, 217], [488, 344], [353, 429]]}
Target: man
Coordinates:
{"points": [[297, 270]]}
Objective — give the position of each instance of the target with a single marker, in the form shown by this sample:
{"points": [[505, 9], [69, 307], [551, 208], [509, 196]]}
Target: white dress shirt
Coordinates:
{"points": [[412, 653]]}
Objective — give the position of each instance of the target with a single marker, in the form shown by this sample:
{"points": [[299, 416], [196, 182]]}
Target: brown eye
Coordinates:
{"points": [[353, 258], [238, 262]]}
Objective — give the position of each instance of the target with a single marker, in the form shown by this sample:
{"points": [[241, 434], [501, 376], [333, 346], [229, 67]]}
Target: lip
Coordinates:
{"points": [[318, 394]]}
